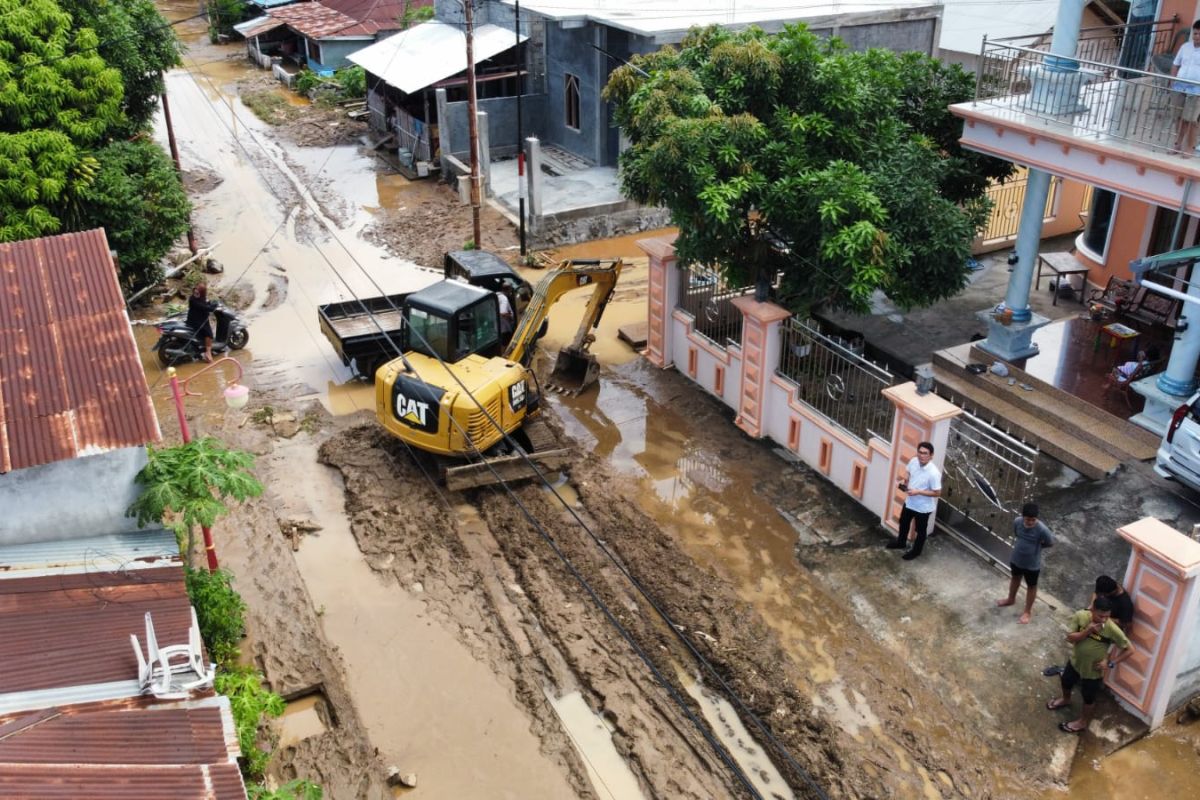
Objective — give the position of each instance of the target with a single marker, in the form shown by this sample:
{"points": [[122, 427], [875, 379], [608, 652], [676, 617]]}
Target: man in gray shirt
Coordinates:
{"points": [[1030, 536]]}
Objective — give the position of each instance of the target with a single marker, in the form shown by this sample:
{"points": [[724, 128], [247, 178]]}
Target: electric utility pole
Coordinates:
{"points": [[520, 136], [473, 123]]}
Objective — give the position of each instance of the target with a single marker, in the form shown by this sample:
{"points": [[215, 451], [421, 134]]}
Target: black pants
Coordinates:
{"points": [[907, 515]]}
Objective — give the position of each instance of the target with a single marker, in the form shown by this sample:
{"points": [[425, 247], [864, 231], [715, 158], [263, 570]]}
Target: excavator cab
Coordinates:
{"points": [[450, 321], [458, 393]]}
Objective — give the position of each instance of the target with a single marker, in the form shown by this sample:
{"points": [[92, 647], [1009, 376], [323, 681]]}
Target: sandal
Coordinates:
{"points": [[1065, 727], [1055, 703]]}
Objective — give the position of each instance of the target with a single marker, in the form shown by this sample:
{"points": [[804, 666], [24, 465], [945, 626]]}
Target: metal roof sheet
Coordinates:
{"points": [[188, 782], [73, 629], [319, 21], [257, 26], [387, 14], [668, 16], [98, 735], [115, 552], [422, 55], [73, 720], [71, 381]]}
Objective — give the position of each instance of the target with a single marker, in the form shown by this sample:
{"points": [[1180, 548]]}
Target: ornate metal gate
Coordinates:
{"points": [[987, 476]]}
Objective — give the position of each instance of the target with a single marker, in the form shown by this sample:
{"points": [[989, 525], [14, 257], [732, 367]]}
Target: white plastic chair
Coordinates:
{"points": [[172, 672]]}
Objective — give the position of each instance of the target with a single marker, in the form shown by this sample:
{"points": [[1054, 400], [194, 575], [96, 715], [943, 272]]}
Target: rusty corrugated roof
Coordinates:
{"points": [[102, 733], [170, 781], [319, 21], [45, 621], [74, 723], [71, 381], [387, 14]]}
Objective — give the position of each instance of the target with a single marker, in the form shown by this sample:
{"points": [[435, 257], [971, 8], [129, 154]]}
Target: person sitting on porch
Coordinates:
{"points": [[1132, 370]]}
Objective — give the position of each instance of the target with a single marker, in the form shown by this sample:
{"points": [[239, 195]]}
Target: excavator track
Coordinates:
{"points": [[545, 453]]}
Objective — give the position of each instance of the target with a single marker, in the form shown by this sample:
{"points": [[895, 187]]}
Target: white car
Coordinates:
{"points": [[1178, 456]]}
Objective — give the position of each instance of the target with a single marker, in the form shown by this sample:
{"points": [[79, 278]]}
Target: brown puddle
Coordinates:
{"points": [[742, 747], [611, 777], [301, 719], [427, 703], [1164, 764]]}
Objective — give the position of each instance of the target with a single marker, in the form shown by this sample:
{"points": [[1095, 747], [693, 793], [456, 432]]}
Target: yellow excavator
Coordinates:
{"points": [[458, 391]]}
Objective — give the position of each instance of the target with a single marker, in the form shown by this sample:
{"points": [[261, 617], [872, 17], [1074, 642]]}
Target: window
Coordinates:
{"points": [[1095, 236], [429, 333], [571, 101]]}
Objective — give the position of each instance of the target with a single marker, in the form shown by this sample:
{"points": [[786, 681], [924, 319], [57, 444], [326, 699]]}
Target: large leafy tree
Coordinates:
{"points": [[790, 155], [136, 40], [58, 99], [78, 80], [137, 198]]}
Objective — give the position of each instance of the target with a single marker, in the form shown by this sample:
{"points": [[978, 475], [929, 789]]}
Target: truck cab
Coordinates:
{"points": [[489, 271]]}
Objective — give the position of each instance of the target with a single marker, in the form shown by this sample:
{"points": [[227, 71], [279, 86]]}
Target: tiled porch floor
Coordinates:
{"points": [[1076, 357]]}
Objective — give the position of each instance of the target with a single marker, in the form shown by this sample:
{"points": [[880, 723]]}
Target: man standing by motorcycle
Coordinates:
{"points": [[199, 309]]}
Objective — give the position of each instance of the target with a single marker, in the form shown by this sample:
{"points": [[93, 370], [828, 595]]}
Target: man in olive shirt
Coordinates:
{"points": [[1092, 634]]}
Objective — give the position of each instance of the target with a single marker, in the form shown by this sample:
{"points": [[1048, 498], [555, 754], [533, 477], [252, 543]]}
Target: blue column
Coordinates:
{"points": [[1029, 236], [1058, 92], [1179, 379]]}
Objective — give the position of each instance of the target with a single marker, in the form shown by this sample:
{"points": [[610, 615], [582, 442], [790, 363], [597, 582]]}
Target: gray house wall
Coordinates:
{"points": [[570, 50], [502, 123], [67, 499], [334, 52]]}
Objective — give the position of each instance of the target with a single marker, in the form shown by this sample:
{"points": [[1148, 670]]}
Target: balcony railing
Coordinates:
{"points": [[1102, 100], [1132, 46]]}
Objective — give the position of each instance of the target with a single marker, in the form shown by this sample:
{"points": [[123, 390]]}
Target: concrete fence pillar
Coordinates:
{"points": [[665, 280], [533, 180], [484, 155], [1163, 579], [760, 356], [919, 418]]}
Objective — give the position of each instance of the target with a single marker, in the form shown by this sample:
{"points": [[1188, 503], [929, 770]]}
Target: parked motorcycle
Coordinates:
{"points": [[178, 343]]}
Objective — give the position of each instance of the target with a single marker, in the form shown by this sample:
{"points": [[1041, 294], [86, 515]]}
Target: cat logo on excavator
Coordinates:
{"points": [[416, 403]]}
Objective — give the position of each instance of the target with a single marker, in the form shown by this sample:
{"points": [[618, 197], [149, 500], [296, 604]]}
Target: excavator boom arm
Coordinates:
{"points": [[602, 275]]}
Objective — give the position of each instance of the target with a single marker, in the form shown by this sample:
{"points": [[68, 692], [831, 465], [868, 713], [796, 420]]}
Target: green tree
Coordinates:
{"points": [[188, 485], [58, 100], [136, 40], [137, 198], [790, 155], [223, 15]]}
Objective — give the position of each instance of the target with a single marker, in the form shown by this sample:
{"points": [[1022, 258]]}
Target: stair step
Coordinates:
{"points": [[1116, 436], [1049, 436]]}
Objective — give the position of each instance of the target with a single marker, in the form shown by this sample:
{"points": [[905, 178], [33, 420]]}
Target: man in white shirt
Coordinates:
{"points": [[922, 487], [507, 321], [1187, 97]]}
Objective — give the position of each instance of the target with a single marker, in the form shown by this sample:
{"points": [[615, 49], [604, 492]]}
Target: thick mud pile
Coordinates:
{"points": [[507, 589]]}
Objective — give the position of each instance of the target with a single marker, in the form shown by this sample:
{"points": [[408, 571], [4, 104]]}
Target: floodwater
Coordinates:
{"points": [[301, 719], [711, 505], [1164, 764], [276, 222], [611, 777], [427, 703], [729, 730]]}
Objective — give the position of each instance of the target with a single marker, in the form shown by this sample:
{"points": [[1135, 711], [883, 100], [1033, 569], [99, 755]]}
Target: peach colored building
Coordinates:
{"points": [[1105, 116]]}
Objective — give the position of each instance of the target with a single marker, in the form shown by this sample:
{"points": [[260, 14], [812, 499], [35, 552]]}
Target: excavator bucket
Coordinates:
{"points": [[574, 370]]}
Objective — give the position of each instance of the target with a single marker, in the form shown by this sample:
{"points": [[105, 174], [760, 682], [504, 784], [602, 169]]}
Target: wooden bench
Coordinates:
{"points": [[1126, 300]]}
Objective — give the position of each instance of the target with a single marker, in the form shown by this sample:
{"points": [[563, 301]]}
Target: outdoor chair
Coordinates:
{"points": [[1125, 388], [172, 672]]}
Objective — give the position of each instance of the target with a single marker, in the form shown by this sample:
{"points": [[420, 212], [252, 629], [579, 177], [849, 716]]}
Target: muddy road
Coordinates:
{"points": [[641, 630]]}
